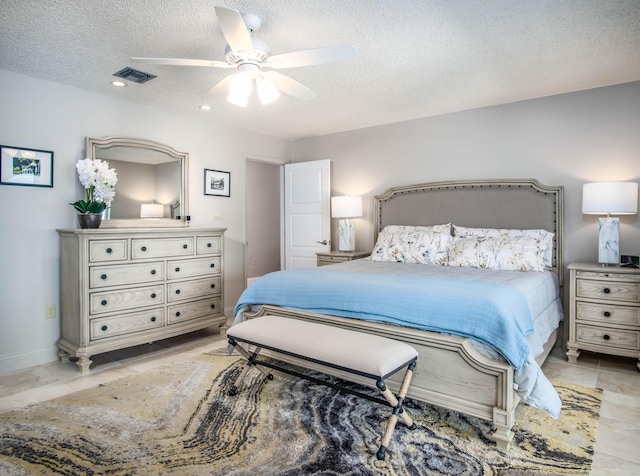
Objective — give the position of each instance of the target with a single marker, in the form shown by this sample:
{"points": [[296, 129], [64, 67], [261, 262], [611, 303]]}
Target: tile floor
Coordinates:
{"points": [[618, 440]]}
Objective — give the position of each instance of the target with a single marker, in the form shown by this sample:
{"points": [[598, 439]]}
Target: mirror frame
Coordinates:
{"points": [[93, 143]]}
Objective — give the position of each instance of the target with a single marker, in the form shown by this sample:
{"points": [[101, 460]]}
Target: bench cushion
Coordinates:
{"points": [[365, 353]]}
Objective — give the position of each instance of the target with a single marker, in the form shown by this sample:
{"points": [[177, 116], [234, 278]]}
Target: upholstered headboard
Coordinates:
{"points": [[504, 203]]}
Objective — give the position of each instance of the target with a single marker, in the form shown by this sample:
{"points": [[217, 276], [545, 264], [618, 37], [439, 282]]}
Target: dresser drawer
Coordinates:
{"points": [[605, 314], [102, 276], [161, 247], [608, 337], [126, 324], [107, 250], [208, 245], [129, 298], [192, 289], [194, 310], [193, 267], [608, 290]]}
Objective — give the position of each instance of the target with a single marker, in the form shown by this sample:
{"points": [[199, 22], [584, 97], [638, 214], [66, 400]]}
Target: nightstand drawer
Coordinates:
{"points": [[608, 290], [605, 314], [332, 259], [608, 337]]}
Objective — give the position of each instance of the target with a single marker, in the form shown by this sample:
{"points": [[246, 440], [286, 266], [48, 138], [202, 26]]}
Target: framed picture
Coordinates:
{"points": [[28, 167], [217, 183]]}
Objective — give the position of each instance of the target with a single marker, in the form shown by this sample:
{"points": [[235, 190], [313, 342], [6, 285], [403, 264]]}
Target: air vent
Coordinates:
{"points": [[134, 75]]}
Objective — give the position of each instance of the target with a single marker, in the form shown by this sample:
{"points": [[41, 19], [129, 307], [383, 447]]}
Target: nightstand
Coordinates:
{"points": [[331, 257], [604, 310]]}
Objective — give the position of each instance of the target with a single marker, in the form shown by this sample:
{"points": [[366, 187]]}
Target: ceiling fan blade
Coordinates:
{"points": [[312, 56], [234, 29], [289, 86], [222, 87], [183, 62]]}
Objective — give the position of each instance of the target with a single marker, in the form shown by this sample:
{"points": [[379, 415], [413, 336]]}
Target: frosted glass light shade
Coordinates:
{"points": [[610, 198], [151, 210], [267, 92], [240, 89], [347, 206]]}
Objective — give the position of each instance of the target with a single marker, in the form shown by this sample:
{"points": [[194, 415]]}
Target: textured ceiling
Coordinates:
{"points": [[415, 58]]}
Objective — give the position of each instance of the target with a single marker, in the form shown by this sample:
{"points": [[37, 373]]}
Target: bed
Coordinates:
{"points": [[456, 370]]}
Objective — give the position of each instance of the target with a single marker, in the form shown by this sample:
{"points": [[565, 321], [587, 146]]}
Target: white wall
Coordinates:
{"points": [[45, 115], [564, 140]]}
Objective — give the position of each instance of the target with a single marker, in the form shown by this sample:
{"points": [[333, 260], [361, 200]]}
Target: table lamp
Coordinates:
{"points": [[609, 198], [151, 210], [346, 207]]}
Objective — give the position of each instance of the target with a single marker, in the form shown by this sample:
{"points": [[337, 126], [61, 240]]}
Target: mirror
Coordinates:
{"points": [[148, 173]]}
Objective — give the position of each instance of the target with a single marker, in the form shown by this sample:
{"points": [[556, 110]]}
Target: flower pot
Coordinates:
{"points": [[89, 220]]}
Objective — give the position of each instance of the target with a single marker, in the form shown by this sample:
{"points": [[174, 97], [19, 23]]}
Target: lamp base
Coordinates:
{"points": [[347, 236], [609, 241]]}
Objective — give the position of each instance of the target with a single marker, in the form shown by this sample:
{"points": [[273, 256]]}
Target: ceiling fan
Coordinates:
{"points": [[251, 57]]}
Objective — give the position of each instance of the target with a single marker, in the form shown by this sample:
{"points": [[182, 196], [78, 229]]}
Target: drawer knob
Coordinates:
{"points": [[104, 328], [213, 306], [153, 295], [153, 271], [178, 314], [153, 318], [185, 246], [109, 251], [177, 270], [104, 302], [607, 314], [209, 245], [144, 248], [213, 286], [212, 265], [606, 290], [177, 291], [104, 276], [606, 337]]}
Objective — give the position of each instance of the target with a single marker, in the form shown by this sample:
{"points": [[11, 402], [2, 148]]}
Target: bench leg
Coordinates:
{"points": [[398, 411], [250, 362]]}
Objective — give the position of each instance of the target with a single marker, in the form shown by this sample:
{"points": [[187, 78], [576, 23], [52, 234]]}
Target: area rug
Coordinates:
{"points": [[179, 420]]}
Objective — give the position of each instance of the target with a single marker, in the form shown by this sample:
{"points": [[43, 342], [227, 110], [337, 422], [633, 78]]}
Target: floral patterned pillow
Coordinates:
{"points": [[523, 253], [414, 244], [545, 237]]}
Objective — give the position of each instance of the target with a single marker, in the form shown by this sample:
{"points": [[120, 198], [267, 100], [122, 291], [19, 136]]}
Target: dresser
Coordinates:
{"points": [[604, 310], [331, 257], [125, 287]]}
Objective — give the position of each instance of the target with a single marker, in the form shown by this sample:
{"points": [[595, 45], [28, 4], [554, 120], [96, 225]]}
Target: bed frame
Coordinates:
{"points": [[450, 372]]}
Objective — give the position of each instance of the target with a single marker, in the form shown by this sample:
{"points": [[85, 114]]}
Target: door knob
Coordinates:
{"points": [[323, 242]]}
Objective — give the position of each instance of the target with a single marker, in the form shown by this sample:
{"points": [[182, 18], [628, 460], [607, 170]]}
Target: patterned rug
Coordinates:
{"points": [[179, 420]]}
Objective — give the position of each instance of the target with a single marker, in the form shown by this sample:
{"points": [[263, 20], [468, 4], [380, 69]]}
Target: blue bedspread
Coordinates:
{"points": [[495, 314]]}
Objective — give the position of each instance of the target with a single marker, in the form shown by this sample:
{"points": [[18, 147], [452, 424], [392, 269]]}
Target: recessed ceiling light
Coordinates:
{"points": [[119, 84], [205, 107]]}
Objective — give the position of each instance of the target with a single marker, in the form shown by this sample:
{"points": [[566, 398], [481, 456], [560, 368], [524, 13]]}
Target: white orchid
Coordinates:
{"points": [[99, 182]]}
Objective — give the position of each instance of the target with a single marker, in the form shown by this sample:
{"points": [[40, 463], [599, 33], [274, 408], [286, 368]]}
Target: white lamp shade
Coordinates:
{"points": [[240, 89], [346, 206], [614, 198], [267, 92], [151, 210]]}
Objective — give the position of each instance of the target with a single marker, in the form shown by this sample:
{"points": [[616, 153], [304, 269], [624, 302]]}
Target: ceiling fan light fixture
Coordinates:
{"points": [[267, 92], [240, 90]]}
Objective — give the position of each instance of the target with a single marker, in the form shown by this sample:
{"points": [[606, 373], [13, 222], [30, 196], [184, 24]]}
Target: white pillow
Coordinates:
{"points": [[414, 244], [544, 236], [523, 253]]}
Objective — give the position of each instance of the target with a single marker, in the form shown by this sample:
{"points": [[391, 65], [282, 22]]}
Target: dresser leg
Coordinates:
{"points": [[83, 364], [63, 356]]}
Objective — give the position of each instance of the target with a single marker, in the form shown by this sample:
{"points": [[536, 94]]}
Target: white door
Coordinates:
{"points": [[307, 217]]}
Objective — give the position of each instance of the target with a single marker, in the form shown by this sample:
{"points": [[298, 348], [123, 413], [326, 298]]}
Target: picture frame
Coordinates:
{"points": [[26, 167], [217, 183]]}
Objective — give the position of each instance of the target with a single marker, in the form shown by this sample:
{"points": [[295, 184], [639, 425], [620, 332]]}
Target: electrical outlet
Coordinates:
{"points": [[255, 261], [217, 214], [50, 311]]}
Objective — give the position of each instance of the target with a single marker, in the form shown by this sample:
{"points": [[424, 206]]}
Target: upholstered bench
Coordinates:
{"points": [[352, 352]]}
